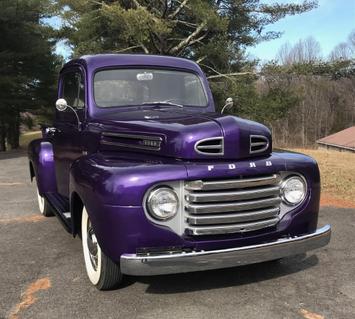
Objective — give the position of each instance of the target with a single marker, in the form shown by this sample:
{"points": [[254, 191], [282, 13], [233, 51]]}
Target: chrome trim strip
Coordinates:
{"points": [[132, 136], [207, 197], [262, 137], [231, 229], [214, 147], [140, 147], [233, 218], [131, 264], [221, 146], [232, 207], [235, 183]]}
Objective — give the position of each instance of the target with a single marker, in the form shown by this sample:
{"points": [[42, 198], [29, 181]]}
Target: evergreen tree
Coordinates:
{"points": [[27, 64]]}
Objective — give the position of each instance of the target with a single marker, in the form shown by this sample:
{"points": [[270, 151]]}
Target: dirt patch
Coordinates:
{"points": [[11, 184], [328, 200], [310, 315], [29, 298], [22, 219]]}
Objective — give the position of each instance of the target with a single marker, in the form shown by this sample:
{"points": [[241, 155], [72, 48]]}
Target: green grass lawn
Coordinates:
{"points": [[27, 137]]}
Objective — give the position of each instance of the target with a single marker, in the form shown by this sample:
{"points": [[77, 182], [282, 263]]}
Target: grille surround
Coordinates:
{"points": [[212, 146]]}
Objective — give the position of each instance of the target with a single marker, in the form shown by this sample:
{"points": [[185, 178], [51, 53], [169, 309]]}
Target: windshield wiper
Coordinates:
{"points": [[162, 103]]}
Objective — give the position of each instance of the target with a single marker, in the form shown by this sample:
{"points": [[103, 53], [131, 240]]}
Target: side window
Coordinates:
{"points": [[73, 89]]}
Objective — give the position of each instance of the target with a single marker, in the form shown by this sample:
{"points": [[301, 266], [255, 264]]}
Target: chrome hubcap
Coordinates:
{"points": [[92, 245], [40, 202]]}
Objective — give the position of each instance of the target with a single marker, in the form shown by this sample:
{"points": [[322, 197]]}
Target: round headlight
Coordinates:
{"points": [[162, 203], [293, 190]]}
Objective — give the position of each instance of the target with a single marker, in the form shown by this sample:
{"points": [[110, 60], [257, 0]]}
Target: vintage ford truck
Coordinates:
{"points": [[154, 181]]}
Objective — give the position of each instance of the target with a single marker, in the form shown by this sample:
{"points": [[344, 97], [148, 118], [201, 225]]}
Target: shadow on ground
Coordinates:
{"points": [[222, 278]]}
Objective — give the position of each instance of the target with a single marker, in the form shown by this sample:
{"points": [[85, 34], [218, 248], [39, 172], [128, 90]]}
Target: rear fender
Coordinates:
{"points": [[41, 158]]}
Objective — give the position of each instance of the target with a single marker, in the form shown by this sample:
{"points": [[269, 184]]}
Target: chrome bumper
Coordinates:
{"points": [[132, 264]]}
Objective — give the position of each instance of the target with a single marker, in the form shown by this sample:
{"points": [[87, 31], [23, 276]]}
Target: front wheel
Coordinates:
{"points": [[101, 270], [43, 205]]}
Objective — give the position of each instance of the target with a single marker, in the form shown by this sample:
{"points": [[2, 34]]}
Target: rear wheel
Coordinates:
{"points": [[44, 206], [101, 270]]}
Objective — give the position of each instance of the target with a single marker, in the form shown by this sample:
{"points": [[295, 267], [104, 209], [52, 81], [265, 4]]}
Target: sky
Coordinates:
{"points": [[329, 24]]}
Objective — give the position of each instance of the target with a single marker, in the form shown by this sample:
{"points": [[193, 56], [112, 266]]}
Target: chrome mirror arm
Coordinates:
{"points": [[77, 116], [229, 103]]}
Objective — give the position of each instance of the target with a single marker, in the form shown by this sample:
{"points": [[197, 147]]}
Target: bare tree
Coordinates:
{"points": [[351, 40], [283, 55], [304, 51], [311, 50], [342, 51]]}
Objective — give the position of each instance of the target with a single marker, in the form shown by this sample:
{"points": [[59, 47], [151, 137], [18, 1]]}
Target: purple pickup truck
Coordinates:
{"points": [[154, 181]]}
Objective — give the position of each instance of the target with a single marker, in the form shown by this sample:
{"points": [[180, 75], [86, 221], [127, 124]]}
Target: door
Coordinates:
{"points": [[67, 139]]}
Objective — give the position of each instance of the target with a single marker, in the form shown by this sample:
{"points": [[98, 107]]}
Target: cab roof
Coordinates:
{"points": [[93, 62]]}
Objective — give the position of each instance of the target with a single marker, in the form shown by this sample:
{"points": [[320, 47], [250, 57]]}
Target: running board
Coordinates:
{"points": [[60, 207]]}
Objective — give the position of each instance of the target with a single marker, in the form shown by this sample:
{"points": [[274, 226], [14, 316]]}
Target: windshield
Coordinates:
{"points": [[125, 87]]}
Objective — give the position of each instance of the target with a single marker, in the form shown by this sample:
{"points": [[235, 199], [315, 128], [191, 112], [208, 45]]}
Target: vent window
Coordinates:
{"points": [[258, 143], [210, 146]]}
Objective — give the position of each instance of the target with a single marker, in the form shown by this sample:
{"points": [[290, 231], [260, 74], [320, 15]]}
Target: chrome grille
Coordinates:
{"points": [[232, 206], [258, 143], [210, 146]]}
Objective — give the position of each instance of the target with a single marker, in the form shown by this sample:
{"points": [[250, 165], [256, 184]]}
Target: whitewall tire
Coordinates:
{"points": [[101, 270], [43, 205]]}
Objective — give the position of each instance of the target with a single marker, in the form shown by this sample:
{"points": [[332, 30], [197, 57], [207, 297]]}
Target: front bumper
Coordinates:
{"points": [[132, 264]]}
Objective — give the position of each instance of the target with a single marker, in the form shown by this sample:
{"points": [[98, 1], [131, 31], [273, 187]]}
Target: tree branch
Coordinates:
{"points": [[188, 24], [190, 38], [223, 75], [133, 47], [136, 3], [146, 51], [198, 39], [228, 75], [165, 9], [178, 9], [201, 59]]}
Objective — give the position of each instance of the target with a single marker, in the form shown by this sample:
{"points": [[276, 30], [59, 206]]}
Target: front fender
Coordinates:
{"points": [[41, 157], [112, 190]]}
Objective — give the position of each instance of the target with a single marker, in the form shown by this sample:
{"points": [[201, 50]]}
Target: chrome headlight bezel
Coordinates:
{"points": [[150, 205], [285, 198]]}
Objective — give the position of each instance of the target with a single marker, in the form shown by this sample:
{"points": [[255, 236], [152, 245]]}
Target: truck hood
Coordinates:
{"points": [[183, 134]]}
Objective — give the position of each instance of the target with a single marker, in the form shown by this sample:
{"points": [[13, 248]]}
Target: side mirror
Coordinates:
{"points": [[229, 104], [61, 105]]}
